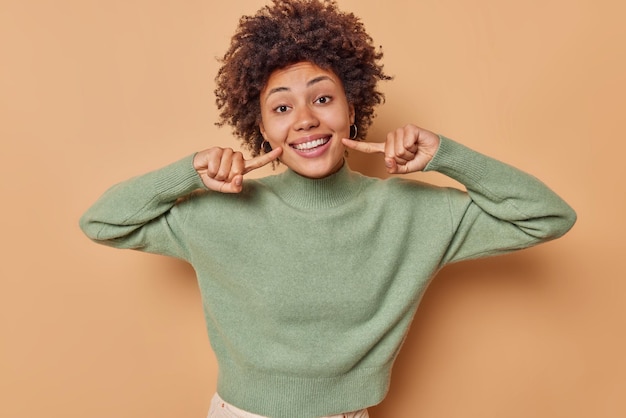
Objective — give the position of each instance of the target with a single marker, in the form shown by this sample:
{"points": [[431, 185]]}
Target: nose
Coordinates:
{"points": [[306, 119]]}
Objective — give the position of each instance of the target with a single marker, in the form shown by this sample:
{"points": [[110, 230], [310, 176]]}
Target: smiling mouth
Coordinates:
{"points": [[311, 145]]}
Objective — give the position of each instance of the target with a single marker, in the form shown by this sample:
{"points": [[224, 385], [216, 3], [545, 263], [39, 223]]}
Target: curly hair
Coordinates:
{"points": [[287, 32]]}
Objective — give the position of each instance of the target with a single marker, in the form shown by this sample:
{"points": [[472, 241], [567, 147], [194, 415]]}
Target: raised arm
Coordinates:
{"points": [[141, 213], [508, 209]]}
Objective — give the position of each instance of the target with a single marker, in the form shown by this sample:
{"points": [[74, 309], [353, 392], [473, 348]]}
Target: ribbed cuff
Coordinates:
{"points": [[458, 162], [177, 179]]}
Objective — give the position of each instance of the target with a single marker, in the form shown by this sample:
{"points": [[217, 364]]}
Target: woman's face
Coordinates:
{"points": [[305, 111]]}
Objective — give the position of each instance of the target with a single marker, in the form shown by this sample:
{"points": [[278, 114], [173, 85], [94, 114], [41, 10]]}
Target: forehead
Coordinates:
{"points": [[298, 75]]}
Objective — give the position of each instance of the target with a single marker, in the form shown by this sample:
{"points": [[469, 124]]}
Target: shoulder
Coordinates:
{"points": [[399, 190]]}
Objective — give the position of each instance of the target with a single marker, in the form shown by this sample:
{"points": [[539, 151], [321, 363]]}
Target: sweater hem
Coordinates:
{"points": [[288, 396]]}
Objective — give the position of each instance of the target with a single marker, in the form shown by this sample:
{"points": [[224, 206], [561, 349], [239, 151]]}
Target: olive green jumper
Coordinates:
{"points": [[309, 286]]}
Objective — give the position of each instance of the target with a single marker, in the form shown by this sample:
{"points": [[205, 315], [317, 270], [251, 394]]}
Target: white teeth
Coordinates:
{"points": [[310, 145]]}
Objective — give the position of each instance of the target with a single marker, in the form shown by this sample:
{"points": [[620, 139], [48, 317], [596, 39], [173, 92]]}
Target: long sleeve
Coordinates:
{"points": [[508, 209], [139, 213]]}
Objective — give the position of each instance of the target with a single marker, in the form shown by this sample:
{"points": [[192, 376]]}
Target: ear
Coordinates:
{"points": [[352, 114], [262, 129]]}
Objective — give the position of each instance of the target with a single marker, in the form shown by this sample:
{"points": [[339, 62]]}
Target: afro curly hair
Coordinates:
{"points": [[287, 32]]}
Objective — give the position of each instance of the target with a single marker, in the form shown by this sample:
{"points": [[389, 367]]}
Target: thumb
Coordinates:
{"points": [[232, 186]]}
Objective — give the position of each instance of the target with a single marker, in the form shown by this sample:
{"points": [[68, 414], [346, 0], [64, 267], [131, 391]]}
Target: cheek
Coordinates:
{"points": [[274, 132], [273, 128], [265, 124], [342, 117], [341, 122]]}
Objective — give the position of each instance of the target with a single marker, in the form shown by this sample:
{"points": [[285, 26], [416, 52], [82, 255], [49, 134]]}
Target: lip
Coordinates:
{"points": [[314, 152]]}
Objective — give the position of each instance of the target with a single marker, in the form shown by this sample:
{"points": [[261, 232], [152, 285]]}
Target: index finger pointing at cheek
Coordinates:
{"points": [[261, 160], [366, 147]]}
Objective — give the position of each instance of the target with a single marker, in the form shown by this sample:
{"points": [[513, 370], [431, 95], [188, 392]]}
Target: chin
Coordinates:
{"points": [[315, 171]]}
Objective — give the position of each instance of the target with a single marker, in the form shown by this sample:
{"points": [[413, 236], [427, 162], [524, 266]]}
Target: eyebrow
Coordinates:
{"points": [[308, 84]]}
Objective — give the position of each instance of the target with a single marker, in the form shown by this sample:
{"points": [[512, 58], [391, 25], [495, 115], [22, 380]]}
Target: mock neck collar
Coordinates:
{"points": [[307, 193]]}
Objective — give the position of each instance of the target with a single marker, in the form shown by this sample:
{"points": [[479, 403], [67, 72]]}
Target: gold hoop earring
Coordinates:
{"points": [[264, 145], [353, 128]]}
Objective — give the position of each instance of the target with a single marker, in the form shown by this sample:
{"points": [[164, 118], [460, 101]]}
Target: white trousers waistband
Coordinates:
{"points": [[222, 409]]}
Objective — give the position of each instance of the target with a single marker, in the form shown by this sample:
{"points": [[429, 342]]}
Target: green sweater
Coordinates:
{"points": [[309, 286]]}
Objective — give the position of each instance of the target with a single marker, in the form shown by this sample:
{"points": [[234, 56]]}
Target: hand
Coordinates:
{"points": [[407, 150], [222, 169]]}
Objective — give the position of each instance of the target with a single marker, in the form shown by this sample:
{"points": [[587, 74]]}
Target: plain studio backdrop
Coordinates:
{"points": [[93, 92]]}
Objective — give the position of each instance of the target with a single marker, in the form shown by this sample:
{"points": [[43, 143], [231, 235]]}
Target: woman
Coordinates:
{"points": [[310, 278]]}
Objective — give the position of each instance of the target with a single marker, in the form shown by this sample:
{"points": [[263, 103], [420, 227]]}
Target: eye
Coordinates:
{"points": [[324, 100], [281, 109]]}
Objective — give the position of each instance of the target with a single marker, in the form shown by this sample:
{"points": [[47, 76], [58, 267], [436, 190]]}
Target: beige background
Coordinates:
{"points": [[92, 92]]}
